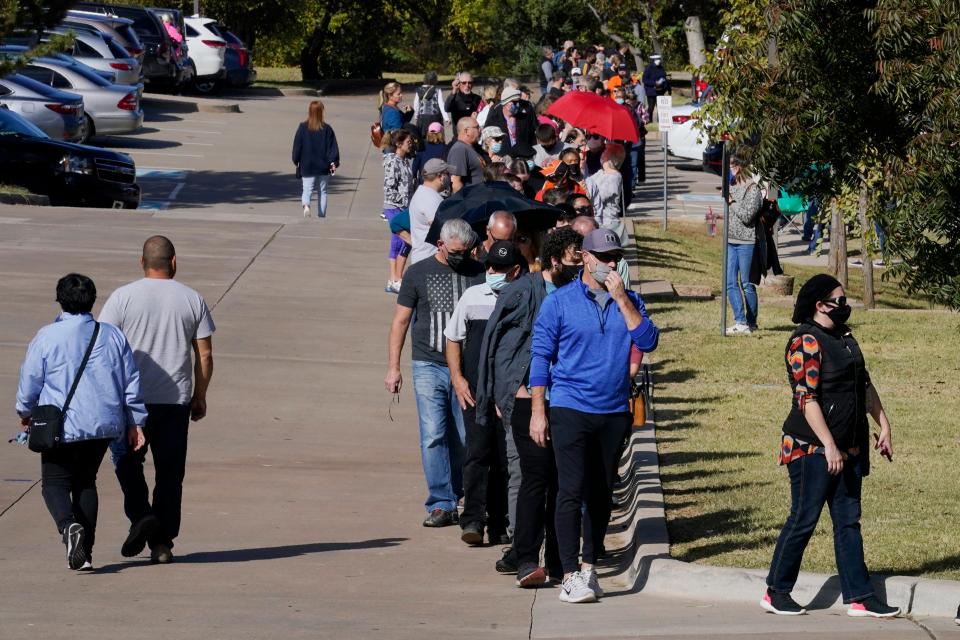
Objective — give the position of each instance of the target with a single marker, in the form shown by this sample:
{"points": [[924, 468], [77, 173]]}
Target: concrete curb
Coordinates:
{"points": [[27, 199], [291, 93], [188, 105]]}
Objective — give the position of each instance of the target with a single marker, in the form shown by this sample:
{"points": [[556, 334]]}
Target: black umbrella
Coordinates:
{"points": [[475, 203]]}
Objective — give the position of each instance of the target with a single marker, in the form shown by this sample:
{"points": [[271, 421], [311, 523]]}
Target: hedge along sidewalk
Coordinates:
{"points": [[711, 428]]}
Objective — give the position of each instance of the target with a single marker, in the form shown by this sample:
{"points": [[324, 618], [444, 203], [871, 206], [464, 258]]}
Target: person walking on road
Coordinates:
{"points": [[503, 386], [581, 346], [485, 462], [428, 296], [745, 201], [86, 369], [166, 323], [398, 186], [826, 448], [316, 156]]}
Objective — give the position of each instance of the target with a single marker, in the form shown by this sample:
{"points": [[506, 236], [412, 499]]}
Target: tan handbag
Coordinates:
{"points": [[638, 405]]}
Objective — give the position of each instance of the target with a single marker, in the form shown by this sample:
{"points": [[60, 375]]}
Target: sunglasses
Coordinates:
{"points": [[840, 301]]}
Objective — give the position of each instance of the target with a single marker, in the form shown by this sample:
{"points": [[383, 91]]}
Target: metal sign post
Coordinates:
{"points": [[725, 178], [665, 121]]}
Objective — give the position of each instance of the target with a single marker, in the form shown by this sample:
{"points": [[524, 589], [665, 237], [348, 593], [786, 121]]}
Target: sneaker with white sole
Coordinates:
{"points": [[306, 211], [593, 581], [576, 590], [87, 565], [739, 330], [781, 604], [872, 607], [73, 539]]}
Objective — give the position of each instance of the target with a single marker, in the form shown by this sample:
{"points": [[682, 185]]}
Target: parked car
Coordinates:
{"points": [[120, 29], [57, 113], [110, 108], [687, 139], [238, 61], [69, 174], [712, 158], [100, 51], [207, 51], [164, 63]]}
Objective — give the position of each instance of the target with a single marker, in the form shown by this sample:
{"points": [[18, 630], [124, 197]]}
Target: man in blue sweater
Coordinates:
{"points": [[581, 351]]}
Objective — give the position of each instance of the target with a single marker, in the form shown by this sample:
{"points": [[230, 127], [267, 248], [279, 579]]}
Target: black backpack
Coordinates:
{"points": [[428, 107]]}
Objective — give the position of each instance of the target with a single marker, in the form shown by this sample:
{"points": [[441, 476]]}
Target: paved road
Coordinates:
{"points": [[303, 497]]}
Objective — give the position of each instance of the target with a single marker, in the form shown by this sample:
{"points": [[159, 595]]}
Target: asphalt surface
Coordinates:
{"points": [[304, 491]]}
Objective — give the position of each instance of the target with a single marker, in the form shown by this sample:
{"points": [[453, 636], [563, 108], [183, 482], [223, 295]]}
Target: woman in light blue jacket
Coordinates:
{"points": [[105, 406]]}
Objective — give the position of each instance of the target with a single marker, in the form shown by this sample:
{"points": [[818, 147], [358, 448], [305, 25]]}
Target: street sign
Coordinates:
{"points": [[664, 112]]}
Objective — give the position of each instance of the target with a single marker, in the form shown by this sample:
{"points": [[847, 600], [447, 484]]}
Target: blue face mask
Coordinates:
{"points": [[497, 281], [496, 147], [619, 100], [514, 108]]}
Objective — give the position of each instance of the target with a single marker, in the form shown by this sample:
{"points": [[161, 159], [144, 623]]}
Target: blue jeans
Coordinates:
{"points": [[811, 487], [321, 185], [442, 435], [812, 230], [739, 258]]}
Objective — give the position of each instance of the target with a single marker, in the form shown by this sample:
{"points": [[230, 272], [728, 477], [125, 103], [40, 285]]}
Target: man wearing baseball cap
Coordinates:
{"points": [[517, 119], [581, 350], [484, 466], [423, 208]]}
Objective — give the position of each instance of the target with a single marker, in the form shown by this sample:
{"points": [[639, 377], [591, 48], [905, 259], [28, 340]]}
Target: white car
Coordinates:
{"points": [[207, 52], [687, 139]]}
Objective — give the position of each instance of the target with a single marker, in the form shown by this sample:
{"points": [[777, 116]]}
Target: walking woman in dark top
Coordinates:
{"points": [[825, 447], [317, 156]]}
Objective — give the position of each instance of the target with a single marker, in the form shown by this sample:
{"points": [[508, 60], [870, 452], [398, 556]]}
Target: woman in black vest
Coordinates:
{"points": [[825, 446]]}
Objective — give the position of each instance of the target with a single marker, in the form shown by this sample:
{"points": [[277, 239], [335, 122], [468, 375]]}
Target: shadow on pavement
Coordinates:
{"points": [[265, 553]]}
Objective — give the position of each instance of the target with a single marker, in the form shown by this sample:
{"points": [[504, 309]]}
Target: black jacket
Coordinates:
{"points": [[315, 151], [460, 105], [526, 129], [505, 352], [651, 75]]}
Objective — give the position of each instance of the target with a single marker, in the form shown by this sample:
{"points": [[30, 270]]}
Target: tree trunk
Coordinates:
{"points": [[605, 30], [695, 45], [637, 54], [838, 246], [868, 297], [651, 27], [310, 54]]}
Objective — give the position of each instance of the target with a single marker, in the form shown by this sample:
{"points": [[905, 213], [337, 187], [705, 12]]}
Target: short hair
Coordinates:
{"points": [[547, 50], [158, 253], [463, 123], [591, 83], [430, 77], [511, 83], [544, 105], [502, 214], [555, 196], [495, 171], [556, 245], [458, 229], [573, 197], [546, 132], [557, 75], [570, 151], [614, 153], [76, 293]]}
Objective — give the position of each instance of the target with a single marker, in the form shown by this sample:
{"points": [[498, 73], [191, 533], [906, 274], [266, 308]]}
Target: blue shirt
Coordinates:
{"points": [[107, 400], [581, 351]]}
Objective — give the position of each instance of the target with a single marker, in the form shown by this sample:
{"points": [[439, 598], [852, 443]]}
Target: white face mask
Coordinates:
{"points": [[657, 62]]}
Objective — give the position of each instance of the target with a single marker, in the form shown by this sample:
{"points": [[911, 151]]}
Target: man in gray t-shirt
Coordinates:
{"points": [[464, 161], [164, 322]]}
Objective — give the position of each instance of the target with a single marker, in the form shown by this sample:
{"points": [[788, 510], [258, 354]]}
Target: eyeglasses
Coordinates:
{"points": [[840, 301], [467, 82]]}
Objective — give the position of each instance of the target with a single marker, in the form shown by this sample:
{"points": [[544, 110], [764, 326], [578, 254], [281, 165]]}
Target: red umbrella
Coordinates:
{"points": [[596, 114]]}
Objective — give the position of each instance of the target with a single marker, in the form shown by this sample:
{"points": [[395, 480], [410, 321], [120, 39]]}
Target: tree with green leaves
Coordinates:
{"points": [[21, 16]]}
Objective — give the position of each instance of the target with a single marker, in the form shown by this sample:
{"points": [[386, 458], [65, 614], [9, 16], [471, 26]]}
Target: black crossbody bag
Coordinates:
{"points": [[46, 420]]}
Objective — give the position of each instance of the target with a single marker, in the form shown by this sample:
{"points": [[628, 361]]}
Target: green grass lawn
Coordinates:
{"points": [[720, 403], [13, 189]]}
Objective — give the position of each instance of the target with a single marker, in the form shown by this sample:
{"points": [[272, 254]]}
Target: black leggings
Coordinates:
{"points": [[69, 482]]}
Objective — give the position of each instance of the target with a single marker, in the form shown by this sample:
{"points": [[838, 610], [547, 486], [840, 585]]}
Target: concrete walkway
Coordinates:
{"points": [[304, 490]]}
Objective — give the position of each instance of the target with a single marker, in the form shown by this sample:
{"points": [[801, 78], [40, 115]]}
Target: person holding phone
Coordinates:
{"points": [[462, 102], [825, 447]]}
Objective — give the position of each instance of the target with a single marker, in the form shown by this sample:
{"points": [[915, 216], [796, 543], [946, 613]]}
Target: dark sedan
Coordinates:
{"points": [[69, 174]]}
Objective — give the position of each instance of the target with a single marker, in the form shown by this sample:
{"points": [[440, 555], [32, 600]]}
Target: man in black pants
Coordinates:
{"points": [[485, 462], [502, 385], [581, 348], [165, 322]]}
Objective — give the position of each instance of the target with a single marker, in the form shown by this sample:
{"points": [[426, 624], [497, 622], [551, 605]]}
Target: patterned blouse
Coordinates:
{"points": [[397, 181]]}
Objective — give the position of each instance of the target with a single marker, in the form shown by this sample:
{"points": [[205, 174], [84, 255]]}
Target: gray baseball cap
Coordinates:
{"points": [[436, 165], [602, 241]]}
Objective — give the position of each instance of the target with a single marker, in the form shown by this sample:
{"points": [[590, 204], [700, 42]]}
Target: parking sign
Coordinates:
{"points": [[664, 115]]}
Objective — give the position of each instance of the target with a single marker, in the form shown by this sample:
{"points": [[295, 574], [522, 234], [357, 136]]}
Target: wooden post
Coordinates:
{"points": [[869, 300]]}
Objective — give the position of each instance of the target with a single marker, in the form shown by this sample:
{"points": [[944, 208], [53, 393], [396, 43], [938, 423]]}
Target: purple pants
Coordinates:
{"points": [[397, 246]]}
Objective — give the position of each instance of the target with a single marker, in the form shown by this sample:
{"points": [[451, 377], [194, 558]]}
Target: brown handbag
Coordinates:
{"points": [[638, 405]]}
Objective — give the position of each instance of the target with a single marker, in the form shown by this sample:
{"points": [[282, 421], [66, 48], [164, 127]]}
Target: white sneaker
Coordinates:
{"points": [[738, 329], [87, 565], [575, 589], [593, 581], [306, 211]]}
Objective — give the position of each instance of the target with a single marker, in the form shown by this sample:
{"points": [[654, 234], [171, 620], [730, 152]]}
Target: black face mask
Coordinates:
{"points": [[456, 259], [573, 171], [566, 274], [839, 315]]}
